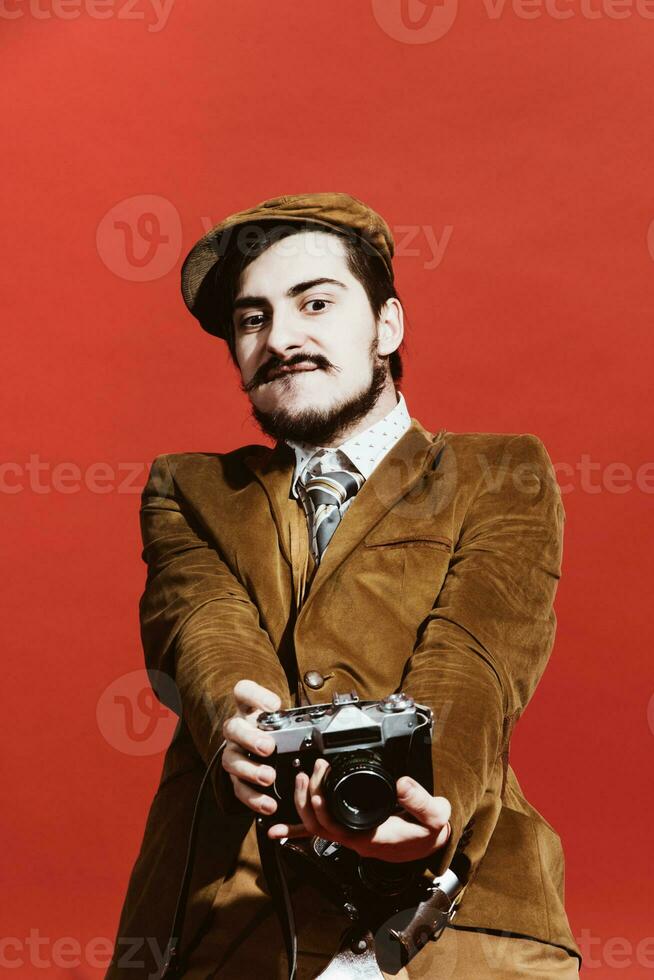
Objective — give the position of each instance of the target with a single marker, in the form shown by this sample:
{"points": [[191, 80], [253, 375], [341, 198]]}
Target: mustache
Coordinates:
{"points": [[262, 376]]}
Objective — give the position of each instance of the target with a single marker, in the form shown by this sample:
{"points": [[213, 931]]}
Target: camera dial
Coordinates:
{"points": [[397, 702], [272, 721]]}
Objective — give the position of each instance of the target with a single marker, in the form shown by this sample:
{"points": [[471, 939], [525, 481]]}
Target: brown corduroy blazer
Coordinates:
{"points": [[439, 581]]}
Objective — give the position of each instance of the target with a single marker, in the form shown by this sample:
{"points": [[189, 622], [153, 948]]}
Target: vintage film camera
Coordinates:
{"points": [[369, 745]]}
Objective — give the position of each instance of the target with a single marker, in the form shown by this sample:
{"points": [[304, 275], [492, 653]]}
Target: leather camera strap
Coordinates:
{"points": [[387, 930], [356, 957], [171, 965], [270, 853]]}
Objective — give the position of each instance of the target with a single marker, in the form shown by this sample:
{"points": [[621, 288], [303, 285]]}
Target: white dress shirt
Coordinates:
{"points": [[365, 450]]}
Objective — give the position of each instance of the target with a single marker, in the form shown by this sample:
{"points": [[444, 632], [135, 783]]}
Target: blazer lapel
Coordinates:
{"points": [[274, 469], [390, 481]]}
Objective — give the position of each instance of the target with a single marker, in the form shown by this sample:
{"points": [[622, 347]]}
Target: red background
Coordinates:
{"points": [[527, 135]]}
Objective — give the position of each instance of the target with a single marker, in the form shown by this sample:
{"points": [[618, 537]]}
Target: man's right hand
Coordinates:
{"points": [[242, 736]]}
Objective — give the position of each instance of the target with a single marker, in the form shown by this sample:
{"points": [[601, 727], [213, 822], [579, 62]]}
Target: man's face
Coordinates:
{"points": [[306, 340]]}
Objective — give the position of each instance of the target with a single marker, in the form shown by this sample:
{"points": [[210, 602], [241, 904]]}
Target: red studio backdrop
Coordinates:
{"points": [[509, 146]]}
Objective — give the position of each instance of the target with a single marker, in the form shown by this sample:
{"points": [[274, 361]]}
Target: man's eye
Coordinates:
{"points": [[249, 321], [325, 303]]}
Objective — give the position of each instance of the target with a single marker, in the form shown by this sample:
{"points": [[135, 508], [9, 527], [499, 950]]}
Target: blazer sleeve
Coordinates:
{"points": [[485, 644], [200, 629]]}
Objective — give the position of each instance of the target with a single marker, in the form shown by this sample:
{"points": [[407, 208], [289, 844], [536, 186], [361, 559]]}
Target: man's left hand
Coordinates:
{"points": [[422, 829]]}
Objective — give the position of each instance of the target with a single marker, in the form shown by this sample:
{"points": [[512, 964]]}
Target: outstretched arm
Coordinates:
{"points": [[199, 626], [485, 644]]}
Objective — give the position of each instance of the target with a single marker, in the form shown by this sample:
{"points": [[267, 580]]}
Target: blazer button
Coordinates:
{"points": [[314, 680]]}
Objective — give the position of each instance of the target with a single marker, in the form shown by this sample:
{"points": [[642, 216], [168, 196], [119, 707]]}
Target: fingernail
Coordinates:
{"points": [[268, 806], [263, 746]]}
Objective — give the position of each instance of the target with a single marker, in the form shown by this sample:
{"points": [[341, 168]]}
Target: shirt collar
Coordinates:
{"points": [[364, 449]]}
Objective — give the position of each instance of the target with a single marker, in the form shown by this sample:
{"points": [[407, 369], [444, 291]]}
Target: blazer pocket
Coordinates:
{"points": [[410, 535], [412, 543]]}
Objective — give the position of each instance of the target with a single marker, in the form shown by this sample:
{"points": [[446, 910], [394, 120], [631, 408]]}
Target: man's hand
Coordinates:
{"points": [[243, 736], [422, 829]]}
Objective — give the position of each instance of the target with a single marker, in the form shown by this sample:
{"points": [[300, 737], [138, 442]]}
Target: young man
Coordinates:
{"points": [[362, 553]]}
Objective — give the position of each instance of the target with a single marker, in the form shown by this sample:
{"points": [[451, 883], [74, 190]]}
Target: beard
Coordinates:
{"points": [[320, 426]]}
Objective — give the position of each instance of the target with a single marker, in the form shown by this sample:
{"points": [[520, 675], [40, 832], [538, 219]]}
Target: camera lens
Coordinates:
{"points": [[359, 791]]}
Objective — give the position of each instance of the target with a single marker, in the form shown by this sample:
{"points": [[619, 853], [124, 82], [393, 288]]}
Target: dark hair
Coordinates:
{"points": [[364, 262]]}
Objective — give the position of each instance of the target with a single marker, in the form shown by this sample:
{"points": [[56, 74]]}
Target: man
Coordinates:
{"points": [[362, 553]]}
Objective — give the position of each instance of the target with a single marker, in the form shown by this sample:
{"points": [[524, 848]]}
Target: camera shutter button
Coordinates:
{"points": [[314, 680]]}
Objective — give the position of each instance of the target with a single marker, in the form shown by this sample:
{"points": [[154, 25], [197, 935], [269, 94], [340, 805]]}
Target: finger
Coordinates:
{"points": [[303, 803], [330, 829], [252, 798], [327, 826], [319, 769], [247, 736], [444, 835], [287, 830], [398, 840], [237, 764], [431, 811], [250, 695]]}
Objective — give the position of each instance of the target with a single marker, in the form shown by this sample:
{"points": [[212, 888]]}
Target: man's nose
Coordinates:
{"points": [[286, 332]]}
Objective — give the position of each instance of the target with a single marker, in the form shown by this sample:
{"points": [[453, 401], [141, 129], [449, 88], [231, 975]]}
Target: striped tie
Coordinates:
{"points": [[328, 481]]}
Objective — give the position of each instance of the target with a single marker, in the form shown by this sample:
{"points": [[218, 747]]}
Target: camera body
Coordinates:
{"points": [[369, 745]]}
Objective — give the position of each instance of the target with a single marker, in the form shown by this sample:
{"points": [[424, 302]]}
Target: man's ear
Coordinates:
{"points": [[390, 326]]}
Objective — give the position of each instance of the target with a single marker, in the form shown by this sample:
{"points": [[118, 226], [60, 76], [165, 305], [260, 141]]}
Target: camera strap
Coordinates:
{"points": [[356, 958], [270, 854], [387, 930], [171, 967]]}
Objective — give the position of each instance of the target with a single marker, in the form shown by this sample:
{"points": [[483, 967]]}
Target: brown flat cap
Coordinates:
{"points": [[334, 210]]}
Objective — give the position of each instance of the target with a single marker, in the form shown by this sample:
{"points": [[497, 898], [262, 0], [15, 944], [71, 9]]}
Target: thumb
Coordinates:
{"points": [[431, 811]]}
